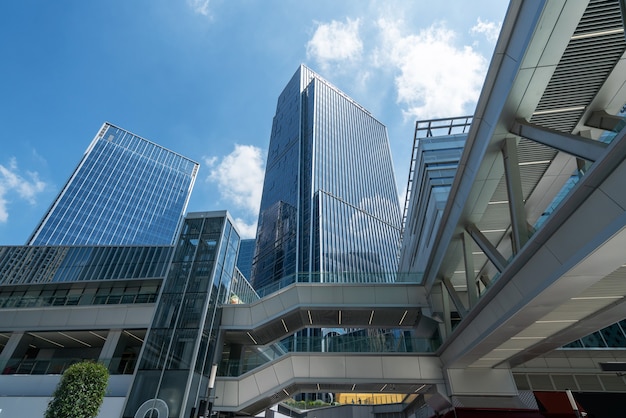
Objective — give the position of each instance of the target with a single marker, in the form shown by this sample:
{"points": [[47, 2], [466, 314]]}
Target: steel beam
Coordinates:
{"points": [[516, 198], [602, 120], [575, 145], [447, 317], [456, 300], [470, 276], [488, 248]]}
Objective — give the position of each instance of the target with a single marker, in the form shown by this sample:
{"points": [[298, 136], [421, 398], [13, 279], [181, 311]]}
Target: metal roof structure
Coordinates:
{"points": [[545, 118]]}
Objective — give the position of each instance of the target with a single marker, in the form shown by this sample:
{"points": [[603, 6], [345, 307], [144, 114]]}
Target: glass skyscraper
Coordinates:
{"points": [[126, 190], [329, 202]]}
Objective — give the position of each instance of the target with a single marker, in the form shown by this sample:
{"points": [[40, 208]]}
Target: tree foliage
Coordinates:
{"points": [[80, 392]]}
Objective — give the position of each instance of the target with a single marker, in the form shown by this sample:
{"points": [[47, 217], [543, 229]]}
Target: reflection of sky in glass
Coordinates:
{"points": [[329, 161], [126, 190]]}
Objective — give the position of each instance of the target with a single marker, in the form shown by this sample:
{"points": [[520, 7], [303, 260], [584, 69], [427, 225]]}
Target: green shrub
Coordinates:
{"points": [[80, 391]]}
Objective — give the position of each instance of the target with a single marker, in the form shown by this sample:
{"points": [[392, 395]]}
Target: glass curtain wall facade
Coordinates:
{"points": [[56, 283], [25, 265], [125, 191], [246, 254], [175, 364], [329, 200]]}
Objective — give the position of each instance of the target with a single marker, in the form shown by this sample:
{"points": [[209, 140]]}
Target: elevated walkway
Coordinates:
{"points": [[326, 372], [564, 284], [326, 305], [399, 365], [529, 252]]}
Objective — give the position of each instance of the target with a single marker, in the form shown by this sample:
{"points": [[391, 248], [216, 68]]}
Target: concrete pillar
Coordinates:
{"points": [[107, 354], [10, 348]]}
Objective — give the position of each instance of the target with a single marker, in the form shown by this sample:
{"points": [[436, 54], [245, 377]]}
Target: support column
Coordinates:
{"points": [[488, 248], [516, 197], [470, 276], [107, 354], [456, 300], [447, 319], [9, 349]]}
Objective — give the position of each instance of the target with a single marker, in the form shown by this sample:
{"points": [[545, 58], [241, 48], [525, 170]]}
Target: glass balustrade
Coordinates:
{"points": [[116, 365], [341, 278], [254, 357]]}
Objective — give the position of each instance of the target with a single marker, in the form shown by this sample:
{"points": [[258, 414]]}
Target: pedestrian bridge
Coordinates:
{"points": [[527, 255], [326, 372], [266, 372], [326, 305]]}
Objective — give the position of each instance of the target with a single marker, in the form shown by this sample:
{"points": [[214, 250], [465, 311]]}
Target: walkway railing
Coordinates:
{"points": [[116, 365], [341, 278], [428, 129], [23, 301], [383, 344]]}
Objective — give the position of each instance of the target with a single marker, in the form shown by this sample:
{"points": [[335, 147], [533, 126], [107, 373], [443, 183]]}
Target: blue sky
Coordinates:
{"points": [[202, 78]]}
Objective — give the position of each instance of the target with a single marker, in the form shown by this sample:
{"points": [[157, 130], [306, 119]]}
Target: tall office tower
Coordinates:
{"points": [[329, 202], [126, 190]]}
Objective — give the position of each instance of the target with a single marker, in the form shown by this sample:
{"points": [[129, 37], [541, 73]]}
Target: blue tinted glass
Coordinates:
{"points": [[126, 190], [329, 200]]}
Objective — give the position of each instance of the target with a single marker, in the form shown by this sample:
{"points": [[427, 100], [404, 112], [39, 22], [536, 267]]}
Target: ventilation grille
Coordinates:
{"points": [[584, 66]]}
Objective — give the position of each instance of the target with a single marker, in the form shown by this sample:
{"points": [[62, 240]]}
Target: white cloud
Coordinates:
{"points": [[200, 7], [4, 214], [436, 78], [334, 42], [491, 30], [210, 161], [247, 230], [12, 182], [239, 177]]}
